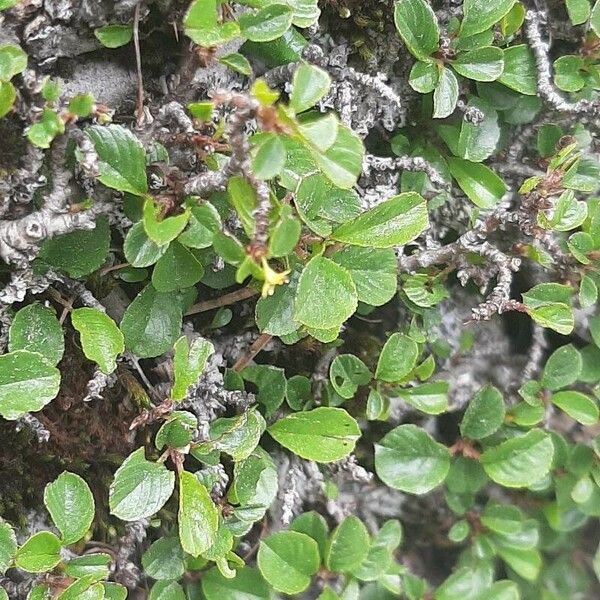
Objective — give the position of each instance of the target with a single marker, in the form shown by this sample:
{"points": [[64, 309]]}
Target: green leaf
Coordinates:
{"points": [[445, 94], [140, 488], [525, 562], [374, 272], [8, 546], [78, 253], [480, 15], [6, 4], [139, 249], [562, 368], [237, 436], [40, 553], [347, 372], [579, 11], [567, 73], [198, 516], [162, 230], [188, 363], [247, 584], [101, 339], [275, 313], [520, 461], [588, 292], [177, 431], [202, 27], [270, 157], [82, 105], [578, 406], [520, 73], [417, 25], [271, 385], [12, 61], [114, 36], [483, 64], [326, 295], [397, 359], [430, 398], [341, 163], [27, 383], [323, 434], [70, 503], [548, 305], [285, 234], [465, 583], [97, 565], [482, 186], [114, 591], [348, 546], [164, 559], [267, 24], [43, 132], [151, 323], [320, 131], [166, 590], [478, 142], [394, 222], [410, 460], [237, 62], [309, 85], [35, 328], [122, 159], [595, 18], [8, 95], [204, 222], [484, 415], [288, 560], [424, 76], [313, 525], [85, 588], [176, 269]]}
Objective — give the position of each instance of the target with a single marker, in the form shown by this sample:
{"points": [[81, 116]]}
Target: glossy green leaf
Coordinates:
{"points": [[70, 503], [313, 525], [417, 25], [309, 85], [482, 185], [198, 516], [347, 372], [520, 73], [114, 36], [12, 61], [483, 64], [40, 553], [348, 546], [27, 383], [8, 95], [484, 415], [267, 24], [78, 253], [176, 269], [480, 15], [519, 461], [410, 460], [101, 339], [8, 546], [326, 295], [269, 158], [188, 363], [162, 230], [247, 584], [140, 488], [122, 159], [151, 323], [237, 62], [562, 368], [164, 559], [35, 328], [139, 249], [374, 272], [288, 560], [445, 94], [97, 565], [578, 406], [394, 222], [397, 359], [323, 434]]}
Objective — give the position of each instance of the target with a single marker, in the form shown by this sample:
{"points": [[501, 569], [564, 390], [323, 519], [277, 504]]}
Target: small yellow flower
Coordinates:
{"points": [[272, 278]]}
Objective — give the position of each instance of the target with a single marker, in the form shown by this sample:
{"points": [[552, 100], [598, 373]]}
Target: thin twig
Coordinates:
{"points": [[258, 345], [225, 300], [138, 64]]}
